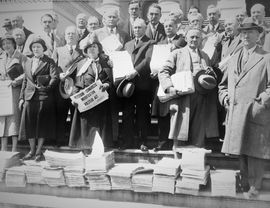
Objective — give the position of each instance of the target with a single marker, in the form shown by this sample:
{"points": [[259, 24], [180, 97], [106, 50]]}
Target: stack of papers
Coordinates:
{"points": [[33, 171], [74, 176], [223, 183], [53, 176], [7, 160], [194, 171], [159, 57], [121, 175], [142, 180], [98, 180], [165, 174], [57, 159], [15, 176], [101, 163]]}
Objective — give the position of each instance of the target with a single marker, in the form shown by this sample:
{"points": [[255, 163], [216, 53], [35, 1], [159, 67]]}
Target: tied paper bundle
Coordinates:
{"points": [[163, 183], [98, 180], [74, 176], [223, 183], [15, 176], [7, 160], [121, 175], [142, 180], [99, 162], [53, 176], [33, 171], [57, 159]]}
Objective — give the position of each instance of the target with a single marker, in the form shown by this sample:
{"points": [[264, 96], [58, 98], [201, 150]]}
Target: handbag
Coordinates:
{"points": [[15, 71]]}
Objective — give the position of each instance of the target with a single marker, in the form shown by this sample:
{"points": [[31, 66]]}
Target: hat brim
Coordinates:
{"points": [[119, 90], [43, 45], [66, 87], [197, 85], [258, 28]]}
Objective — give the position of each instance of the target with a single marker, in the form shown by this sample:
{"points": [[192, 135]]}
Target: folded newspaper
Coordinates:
{"points": [[90, 97]]}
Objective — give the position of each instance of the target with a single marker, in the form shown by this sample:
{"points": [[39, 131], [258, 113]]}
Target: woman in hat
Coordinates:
{"points": [[36, 99], [11, 73], [84, 126]]}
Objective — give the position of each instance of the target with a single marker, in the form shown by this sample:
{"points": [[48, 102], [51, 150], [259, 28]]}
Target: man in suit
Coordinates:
{"points": [[245, 92], [17, 22], [64, 58], [46, 34], [134, 9], [240, 15], [81, 23], [19, 37], [193, 116], [140, 49], [59, 35], [110, 29], [155, 30]]}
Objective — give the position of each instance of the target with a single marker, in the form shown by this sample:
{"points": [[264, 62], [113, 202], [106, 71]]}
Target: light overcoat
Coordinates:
{"points": [[248, 116]]}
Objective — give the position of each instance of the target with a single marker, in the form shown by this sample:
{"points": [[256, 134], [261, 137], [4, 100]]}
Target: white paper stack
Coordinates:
{"points": [[121, 175], [33, 171], [54, 176], [7, 160], [74, 176], [100, 163], [15, 176], [98, 180], [194, 171], [142, 179], [57, 159], [159, 57], [223, 183], [165, 174]]}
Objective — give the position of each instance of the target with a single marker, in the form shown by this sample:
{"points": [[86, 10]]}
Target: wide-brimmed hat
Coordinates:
{"points": [[205, 82], [66, 87], [40, 41], [248, 24], [87, 42], [7, 37], [125, 88]]}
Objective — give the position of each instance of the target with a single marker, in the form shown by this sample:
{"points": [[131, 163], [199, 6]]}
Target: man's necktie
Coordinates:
{"points": [[169, 40], [136, 42], [70, 50]]}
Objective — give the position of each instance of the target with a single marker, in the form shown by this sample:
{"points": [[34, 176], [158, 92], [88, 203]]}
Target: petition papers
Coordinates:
{"points": [[90, 97]]}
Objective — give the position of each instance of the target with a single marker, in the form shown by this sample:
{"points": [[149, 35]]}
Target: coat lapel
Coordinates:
{"points": [[42, 63], [28, 67]]}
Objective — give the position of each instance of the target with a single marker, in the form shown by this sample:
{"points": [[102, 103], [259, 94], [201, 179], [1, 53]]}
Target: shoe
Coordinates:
{"points": [[39, 157], [161, 146], [252, 193], [143, 148], [29, 156]]}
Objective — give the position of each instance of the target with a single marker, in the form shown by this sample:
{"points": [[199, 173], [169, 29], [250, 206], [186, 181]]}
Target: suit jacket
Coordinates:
{"points": [[178, 41], [141, 56], [220, 28], [101, 33], [160, 33], [228, 49], [248, 116], [27, 33], [56, 43], [46, 73]]}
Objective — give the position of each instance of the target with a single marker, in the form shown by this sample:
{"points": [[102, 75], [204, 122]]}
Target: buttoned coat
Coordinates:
{"points": [[248, 117], [160, 33], [178, 61]]}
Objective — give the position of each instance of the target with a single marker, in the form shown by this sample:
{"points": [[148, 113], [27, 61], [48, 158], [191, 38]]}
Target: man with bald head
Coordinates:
{"points": [[17, 22], [19, 37], [140, 49]]}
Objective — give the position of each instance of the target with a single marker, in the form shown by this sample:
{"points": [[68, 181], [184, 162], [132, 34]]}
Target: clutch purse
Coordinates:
{"points": [[15, 71], [43, 80]]}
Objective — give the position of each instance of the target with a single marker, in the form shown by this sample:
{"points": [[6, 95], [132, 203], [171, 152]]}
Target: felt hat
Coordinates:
{"points": [[205, 82], [86, 43], [8, 37], [248, 24], [125, 88], [66, 87], [40, 41]]}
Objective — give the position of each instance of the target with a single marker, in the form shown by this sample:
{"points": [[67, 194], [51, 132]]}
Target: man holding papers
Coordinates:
{"points": [[193, 116], [140, 50]]}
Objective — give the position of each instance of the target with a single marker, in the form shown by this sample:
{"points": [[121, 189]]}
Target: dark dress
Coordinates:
{"points": [[85, 124], [38, 115]]}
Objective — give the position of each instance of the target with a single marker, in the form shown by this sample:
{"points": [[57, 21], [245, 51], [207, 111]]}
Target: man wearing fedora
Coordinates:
{"points": [[140, 49], [193, 116], [245, 92]]}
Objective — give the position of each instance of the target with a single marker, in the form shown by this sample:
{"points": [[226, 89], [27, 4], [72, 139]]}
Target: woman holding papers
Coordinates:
{"points": [[37, 99], [11, 74], [88, 124]]}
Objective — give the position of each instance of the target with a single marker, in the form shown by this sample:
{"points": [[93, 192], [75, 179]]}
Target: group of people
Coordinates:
{"points": [[230, 98]]}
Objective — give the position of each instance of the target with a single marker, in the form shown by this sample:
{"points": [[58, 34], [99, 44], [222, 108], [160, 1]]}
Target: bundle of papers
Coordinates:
{"points": [[121, 175], [142, 180], [111, 43], [53, 176], [223, 183], [7, 160], [57, 159], [196, 176], [98, 180], [102, 163], [15, 176], [74, 176], [163, 183], [33, 171], [193, 159], [168, 166], [159, 57]]}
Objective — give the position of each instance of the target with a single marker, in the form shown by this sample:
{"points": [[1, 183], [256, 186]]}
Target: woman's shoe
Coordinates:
{"points": [[39, 157], [144, 148], [29, 156], [161, 146]]}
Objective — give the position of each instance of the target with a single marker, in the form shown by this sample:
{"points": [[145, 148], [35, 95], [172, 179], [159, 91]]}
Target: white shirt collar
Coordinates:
{"points": [[251, 50], [114, 30], [192, 51]]}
